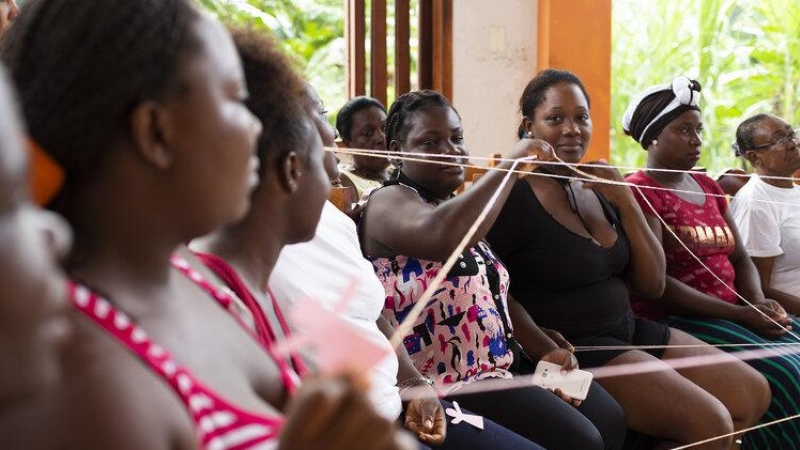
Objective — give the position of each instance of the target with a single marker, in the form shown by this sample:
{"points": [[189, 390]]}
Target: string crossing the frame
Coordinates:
{"points": [[394, 155], [765, 350], [429, 159], [419, 306]]}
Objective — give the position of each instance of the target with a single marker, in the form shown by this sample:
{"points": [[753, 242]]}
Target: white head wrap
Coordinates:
{"points": [[686, 90]]}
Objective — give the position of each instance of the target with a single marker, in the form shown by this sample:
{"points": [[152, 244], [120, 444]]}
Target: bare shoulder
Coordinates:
{"points": [[389, 203], [396, 199], [111, 399]]}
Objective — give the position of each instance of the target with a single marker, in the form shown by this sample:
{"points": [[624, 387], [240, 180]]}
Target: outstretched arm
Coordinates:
{"points": [[398, 222]]}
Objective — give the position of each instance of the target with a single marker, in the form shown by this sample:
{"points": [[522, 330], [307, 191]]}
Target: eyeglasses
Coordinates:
{"points": [[784, 142]]}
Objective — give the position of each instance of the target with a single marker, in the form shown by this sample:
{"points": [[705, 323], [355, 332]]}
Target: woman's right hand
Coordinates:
{"points": [[530, 147], [568, 362], [616, 192], [559, 339], [335, 414], [753, 317]]}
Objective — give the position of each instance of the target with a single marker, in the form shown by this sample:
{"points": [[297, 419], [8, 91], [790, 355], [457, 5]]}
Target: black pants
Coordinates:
{"points": [[540, 416], [492, 437]]}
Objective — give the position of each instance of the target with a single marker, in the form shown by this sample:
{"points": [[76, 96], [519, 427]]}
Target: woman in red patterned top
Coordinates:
{"points": [[708, 269]]}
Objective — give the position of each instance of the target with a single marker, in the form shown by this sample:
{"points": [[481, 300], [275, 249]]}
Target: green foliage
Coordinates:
{"points": [[311, 31], [743, 52]]}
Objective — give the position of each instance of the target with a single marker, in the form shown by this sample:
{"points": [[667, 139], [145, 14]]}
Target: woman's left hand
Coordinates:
{"points": [[618, 194], [777, 313], [559, 339], [425, 418]]}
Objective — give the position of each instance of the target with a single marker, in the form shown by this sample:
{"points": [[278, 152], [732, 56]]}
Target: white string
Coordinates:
{"points": [[713, 274], [427, 159], [686, 247], [694, 361], [428, 292], [618, 370], [742, 431], [395, 155], [602, 348]]}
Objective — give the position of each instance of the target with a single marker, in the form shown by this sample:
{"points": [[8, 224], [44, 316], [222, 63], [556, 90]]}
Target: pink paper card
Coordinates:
{"points": [[337, 346]]}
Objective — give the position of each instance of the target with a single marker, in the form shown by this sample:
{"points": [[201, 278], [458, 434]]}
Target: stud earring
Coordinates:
{"points": [[530, 134], [655, 142]]}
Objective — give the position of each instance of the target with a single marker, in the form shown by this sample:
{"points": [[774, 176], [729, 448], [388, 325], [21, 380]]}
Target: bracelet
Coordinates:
{"points": [[414, 381]]}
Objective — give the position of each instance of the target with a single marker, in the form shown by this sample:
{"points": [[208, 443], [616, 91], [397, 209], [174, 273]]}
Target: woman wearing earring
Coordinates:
{"points": [[575, 247], [708, 269], [766, 208], [464, 335]]}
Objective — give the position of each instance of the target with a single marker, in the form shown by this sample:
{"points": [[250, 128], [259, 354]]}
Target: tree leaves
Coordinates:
{"points": [[745, 53]]}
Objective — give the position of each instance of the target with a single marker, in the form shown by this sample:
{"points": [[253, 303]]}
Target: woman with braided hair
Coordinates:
{"points": [[142, 103], [708, 268], [464, 335]]}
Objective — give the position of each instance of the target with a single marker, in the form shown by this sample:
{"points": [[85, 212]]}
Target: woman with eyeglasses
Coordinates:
{"points": [[712, 289], [763, 211]]}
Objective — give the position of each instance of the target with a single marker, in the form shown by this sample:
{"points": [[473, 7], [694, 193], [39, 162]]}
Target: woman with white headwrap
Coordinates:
{"points": [[708, 270]]}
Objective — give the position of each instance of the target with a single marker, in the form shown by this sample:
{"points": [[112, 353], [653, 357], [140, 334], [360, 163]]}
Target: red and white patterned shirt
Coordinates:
{"points": [[704, 231]]}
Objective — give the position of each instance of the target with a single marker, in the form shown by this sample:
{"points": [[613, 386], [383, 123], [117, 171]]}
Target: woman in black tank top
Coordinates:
{"points": [[575, 249]]}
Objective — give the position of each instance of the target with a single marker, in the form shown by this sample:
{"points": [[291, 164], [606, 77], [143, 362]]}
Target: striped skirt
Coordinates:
{"points": [[782, 372]]}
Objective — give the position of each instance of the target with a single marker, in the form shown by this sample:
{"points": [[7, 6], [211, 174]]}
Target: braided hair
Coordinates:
{"points": [[535, 91], [81, 67], [405, 106], [277, 95], [344, 120], [745, 132]]}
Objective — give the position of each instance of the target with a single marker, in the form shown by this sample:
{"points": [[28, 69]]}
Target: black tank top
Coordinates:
{"points": [[564, 280]]}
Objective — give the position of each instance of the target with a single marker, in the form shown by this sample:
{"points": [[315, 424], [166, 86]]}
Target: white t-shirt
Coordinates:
{"points": [[321, 269], [771, 229]]}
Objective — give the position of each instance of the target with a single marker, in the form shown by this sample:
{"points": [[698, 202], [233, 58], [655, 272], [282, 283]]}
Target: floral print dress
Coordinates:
{"points": [[460, 336]]}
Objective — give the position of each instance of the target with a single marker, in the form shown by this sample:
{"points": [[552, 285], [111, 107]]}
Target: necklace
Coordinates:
{"points": [[566, 186]]}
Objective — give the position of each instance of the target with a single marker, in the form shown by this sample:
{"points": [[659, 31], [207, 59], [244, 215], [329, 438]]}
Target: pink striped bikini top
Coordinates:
{"points": [[218, 424], [265, 334]]}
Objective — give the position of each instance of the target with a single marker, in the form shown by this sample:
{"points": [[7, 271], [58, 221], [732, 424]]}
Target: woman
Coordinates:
{"points": [[33, 307], [666, 121], [144, 110], [242, 254], [462, 336], [333, 259], [360, 123], [765, 209], [574, 248]]}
